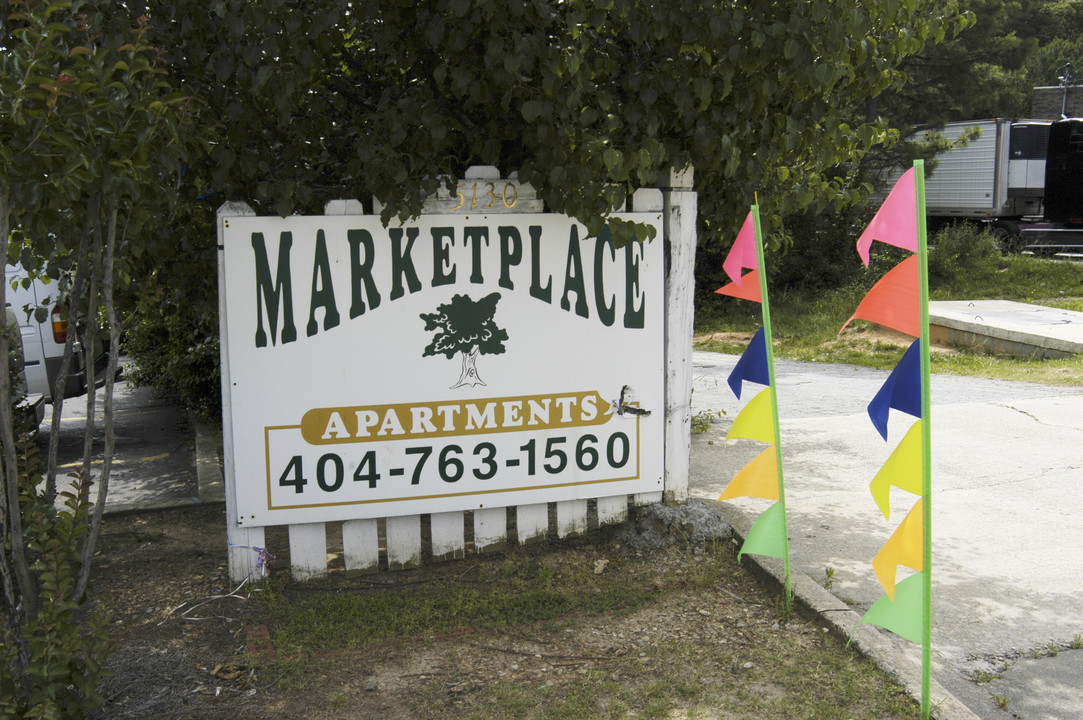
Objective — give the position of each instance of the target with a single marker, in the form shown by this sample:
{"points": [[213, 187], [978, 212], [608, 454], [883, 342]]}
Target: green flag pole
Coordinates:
{"points": [[926, 431], [769, 347]]}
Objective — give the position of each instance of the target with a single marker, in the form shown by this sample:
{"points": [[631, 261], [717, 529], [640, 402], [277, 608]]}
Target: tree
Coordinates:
{"points": [[466, 327], [303, 103], [87, 125]]}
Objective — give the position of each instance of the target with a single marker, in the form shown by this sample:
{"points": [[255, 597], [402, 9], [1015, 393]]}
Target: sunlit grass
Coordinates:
{"points": [[805, 324]]}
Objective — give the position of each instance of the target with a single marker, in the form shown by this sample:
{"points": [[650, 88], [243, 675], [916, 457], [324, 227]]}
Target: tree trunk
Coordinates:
{"points": [[469, 374], [91, 538], [65, 362], [19, 583]]}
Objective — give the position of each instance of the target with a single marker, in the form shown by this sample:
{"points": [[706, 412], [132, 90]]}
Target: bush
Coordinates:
{"points": [[174, 347], [53, 661], [171, 316], [961, 252]]}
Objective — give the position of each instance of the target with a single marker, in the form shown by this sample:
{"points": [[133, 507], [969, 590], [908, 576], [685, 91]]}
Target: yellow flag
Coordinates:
{"points": [[904, 547], [758, 479], [902, 469], [756, 421]]}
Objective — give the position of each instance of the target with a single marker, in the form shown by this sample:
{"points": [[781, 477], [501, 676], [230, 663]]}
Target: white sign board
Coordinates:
{"points": [[454, 362]]}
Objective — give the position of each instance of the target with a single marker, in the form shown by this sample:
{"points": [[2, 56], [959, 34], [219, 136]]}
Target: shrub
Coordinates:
{"points": [[52, 662], [960, 251]]}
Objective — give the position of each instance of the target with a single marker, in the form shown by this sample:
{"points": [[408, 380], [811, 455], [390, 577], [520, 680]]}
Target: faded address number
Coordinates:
{"points": [[486, 193]]}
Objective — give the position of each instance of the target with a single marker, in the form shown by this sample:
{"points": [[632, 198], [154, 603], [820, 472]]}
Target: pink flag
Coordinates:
{"points": [[743, 252], [896, 222]]}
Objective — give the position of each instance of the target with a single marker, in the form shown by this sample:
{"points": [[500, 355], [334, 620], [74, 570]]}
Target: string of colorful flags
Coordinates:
{"points": [[758, 420], [899, 300]]}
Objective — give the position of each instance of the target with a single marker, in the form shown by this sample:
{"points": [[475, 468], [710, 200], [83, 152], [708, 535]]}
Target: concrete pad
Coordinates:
{"points": [[1004, 327]]}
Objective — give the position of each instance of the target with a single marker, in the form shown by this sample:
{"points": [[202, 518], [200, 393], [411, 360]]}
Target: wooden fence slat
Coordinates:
{"points": [[344, 207], [612, 509], [571, 517], [532, 522], [403, 542], [308, 551], [490, 528], [641, 499], [448, 539], [361, 545]]}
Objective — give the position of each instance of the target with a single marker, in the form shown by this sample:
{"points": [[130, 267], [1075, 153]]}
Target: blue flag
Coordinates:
{"points": [[752, 366], [901, 390]]}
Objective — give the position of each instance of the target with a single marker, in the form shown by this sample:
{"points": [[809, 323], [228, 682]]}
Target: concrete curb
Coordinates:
{"points": [[843, 621]]}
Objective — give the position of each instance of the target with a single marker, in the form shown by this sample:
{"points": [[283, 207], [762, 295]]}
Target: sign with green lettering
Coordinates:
{"points": [[454, 362]]}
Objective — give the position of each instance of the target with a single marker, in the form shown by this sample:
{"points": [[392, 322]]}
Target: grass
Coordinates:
{"points": [[683, 632], [515, 592], [806, 323]]}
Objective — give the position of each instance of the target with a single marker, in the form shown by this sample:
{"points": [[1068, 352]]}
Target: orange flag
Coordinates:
{"points": [[749, 289], [893, 301], [904, 547], [758, 479]]}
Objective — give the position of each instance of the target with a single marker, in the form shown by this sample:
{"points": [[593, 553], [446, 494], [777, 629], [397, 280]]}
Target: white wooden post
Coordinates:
{"points": [[361, 545], [612, 509], [308, 551], [403, 542], [448, 540], [571, 518], [245, 544], [680, 228], [532, 522], [490, 528]]}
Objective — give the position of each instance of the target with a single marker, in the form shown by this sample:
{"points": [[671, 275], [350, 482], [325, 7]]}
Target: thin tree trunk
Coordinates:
{"points": [[65, 362], [91, 538], [18, 582], [90, 340]]}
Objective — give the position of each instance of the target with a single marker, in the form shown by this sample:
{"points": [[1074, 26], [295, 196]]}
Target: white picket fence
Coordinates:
{"points": [[403, 537]]}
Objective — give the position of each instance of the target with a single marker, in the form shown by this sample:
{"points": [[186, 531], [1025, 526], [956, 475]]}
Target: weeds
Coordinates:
{"points": [[1077, 642], [829, 579], [701, 421]]}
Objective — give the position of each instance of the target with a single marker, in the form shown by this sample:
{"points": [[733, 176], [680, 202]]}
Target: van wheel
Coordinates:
{"points": [[1006, 235]]}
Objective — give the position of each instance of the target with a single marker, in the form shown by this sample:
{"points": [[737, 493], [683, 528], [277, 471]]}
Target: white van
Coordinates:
{"points": [[43, 342], [29, 405]]}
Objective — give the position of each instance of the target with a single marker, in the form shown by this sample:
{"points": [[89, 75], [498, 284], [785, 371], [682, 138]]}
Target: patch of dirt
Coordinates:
{"points": [[186, 646], [742, 338], [861, 336]]}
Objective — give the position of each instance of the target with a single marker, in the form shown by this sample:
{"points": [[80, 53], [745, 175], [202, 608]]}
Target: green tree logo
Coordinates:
{"points": [[466, 327]]}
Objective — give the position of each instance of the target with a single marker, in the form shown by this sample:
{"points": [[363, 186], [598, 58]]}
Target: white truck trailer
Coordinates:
{"points": [[1024, 178], [998, 177]]}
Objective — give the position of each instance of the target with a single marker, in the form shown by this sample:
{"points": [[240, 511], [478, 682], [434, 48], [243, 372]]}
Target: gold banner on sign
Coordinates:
{"points": [[406, 421]]}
